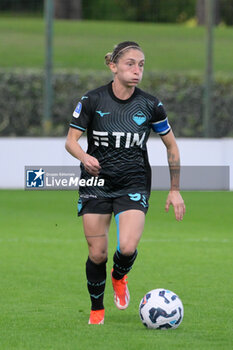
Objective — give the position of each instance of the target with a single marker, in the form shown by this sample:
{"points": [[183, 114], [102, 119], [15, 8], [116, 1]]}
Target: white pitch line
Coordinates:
{"points": [[143, 240], [41, 240], [186, 240]]}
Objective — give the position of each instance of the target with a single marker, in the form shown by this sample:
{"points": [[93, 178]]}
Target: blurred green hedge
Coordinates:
{"points": [[21, 101], [169, 11]]}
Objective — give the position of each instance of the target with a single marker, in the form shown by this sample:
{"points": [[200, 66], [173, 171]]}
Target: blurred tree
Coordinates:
{"points": [[169, 11], [200, 12], [226, 11], [21, 5], [68, 9]]}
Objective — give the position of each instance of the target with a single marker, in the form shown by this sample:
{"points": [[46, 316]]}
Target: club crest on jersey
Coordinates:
{"points": [[139, 118], [77, 110]]}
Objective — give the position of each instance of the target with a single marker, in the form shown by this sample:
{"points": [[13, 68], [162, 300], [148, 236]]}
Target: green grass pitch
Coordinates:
{"points": [[83, 44], [44, 302]]}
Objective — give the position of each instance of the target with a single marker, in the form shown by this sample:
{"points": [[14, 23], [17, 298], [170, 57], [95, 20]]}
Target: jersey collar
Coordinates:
{"points": [[118, 99]]}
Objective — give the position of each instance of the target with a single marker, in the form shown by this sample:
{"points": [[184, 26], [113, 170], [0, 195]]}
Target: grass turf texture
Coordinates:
{"points": [[83, 44], [43, 295]]}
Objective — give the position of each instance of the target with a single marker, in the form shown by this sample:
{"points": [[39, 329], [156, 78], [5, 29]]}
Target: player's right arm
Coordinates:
{"points": [[81, 120], [90, 163]]}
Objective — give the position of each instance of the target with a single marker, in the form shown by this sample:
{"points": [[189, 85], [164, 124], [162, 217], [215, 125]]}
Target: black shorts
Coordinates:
{"points": [[113, 205]]}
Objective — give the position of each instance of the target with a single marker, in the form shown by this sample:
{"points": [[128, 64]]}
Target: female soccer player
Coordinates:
{"points": [[118, 118]]}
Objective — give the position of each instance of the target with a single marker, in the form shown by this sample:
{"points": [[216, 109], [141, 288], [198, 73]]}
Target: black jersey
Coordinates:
{"points": [[117, 132]]}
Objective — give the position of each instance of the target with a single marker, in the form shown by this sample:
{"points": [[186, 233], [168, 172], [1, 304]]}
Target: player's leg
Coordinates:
{"points": [[130, 213], [96, 220], [130, 226], [96, 228], [96, 232]]}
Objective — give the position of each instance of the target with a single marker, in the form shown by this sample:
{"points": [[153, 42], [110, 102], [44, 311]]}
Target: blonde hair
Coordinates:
{"points": [[107, 58], [119, 50]]}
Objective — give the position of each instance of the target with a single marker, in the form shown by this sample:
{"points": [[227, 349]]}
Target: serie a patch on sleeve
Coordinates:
{"points": [[77, 110]]}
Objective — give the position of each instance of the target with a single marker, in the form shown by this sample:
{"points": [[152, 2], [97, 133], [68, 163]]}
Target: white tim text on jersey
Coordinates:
{"points": [[131, 139], [100, 137]]}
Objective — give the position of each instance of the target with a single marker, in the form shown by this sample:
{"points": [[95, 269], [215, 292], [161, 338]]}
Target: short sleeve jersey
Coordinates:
{"points": [[117, 132]]}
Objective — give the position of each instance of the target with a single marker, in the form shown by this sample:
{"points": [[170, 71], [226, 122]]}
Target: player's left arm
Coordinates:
{"points": [[174, 197]]}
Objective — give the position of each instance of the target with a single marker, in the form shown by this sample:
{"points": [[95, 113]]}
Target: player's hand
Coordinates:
{"points": [[91, 164], [174, 198]]}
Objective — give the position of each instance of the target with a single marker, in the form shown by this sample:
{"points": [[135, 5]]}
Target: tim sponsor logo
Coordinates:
{"points": [[126, 139]]}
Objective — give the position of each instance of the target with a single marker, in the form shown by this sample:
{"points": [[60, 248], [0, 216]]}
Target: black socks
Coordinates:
{"points": [[96, 276], [96, 279], [122, 264]]}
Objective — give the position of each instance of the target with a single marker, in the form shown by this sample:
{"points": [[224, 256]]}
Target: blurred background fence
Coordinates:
{"points": [[171, 33]]}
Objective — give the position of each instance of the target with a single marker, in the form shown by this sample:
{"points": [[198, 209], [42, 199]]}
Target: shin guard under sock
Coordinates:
{"points": [[122, 264]]}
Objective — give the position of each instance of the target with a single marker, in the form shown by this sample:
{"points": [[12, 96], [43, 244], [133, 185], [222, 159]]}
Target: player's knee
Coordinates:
{"points": [[98, 256], [127, 249]]}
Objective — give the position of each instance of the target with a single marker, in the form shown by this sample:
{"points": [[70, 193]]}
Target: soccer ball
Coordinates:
{"points": [[161, 309]]}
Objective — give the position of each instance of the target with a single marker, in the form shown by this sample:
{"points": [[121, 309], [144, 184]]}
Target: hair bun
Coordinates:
{"points": [[108, 57]]}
